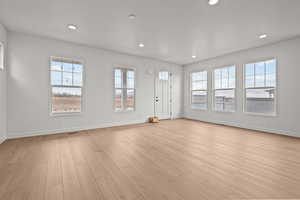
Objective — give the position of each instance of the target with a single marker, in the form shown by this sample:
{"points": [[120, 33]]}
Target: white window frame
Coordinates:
{"points": [[124, 79], [62, 114], [191, 90], [2, 56], [214, 90], [275, 89]]}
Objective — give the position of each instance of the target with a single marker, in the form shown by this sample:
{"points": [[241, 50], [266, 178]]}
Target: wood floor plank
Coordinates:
{"points": [[71, 185], [54, 182]]}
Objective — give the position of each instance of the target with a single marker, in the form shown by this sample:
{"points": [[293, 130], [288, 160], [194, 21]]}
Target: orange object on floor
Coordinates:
{"points": [[153, 119]]}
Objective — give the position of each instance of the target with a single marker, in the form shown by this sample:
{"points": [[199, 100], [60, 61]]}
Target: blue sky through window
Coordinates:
{"points": [[66, 74], [262, 74]]}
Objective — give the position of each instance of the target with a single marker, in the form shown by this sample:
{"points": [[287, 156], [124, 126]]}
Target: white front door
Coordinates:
{"points": [[162, 98]]}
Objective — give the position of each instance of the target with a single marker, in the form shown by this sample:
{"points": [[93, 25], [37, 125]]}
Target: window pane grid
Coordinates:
{"points": [[262, 74], [124, 89], [199, 90], [224, 78], [66, 83], [130, 93], [66, 76], [199, 99], [225, 100], [224, 89], [130, 79], [260, 87], [163, 76]]}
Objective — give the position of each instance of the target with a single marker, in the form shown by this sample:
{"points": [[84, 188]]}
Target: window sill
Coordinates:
{"points": [[70, 114], [198, 109], [261, 114], [124, 111], [220, 111]]}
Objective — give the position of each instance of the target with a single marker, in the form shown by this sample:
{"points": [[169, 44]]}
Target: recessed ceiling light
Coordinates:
{"points": [[72, 27], [194, 56], [141, 45], [263, 36], [213, 2], [132, 16]]}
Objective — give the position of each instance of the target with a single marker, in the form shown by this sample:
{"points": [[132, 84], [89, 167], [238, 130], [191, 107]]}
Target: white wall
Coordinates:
{"points": [[3, 94], [28, 86], [287, 54]]}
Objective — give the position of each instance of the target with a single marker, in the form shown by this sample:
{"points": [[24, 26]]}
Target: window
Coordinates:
{"points": [[199, 90], [224, 89], [124, 89], [1, 56], [163, 76], [66, 85], [260, 87]]}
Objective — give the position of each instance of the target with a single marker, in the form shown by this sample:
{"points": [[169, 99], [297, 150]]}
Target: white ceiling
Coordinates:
{"points": [[172, 30]]}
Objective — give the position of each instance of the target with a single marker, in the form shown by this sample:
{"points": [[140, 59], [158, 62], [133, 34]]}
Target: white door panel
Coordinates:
{"points": [[163, 95]]}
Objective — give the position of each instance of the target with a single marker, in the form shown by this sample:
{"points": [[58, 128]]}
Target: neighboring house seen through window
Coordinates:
{"points": [[260, 87], [224, 89]]}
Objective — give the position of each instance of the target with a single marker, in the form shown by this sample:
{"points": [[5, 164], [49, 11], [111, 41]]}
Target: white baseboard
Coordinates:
{"points": [[263, 129], [113, 124], [74, 129], [2, 139]]}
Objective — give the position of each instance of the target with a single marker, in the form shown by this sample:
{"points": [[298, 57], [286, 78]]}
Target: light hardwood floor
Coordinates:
{"points": [[172, 160]]}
